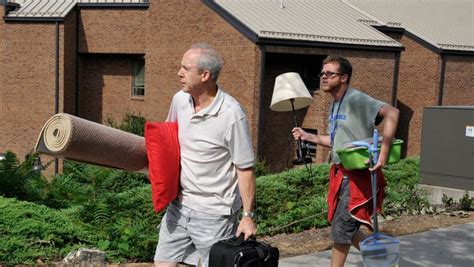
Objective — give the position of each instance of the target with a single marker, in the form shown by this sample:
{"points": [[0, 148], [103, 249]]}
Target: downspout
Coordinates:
{"points": [[260, 101], [56, 84], [4, 3], [76, 83], [396, 71], [441, 80]]}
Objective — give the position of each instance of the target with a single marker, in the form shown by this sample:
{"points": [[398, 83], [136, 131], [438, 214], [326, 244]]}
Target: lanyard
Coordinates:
{"points": [[333, 129]]}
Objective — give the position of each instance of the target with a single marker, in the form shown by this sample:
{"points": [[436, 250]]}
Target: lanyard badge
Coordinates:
{"points": [[333, 119]]}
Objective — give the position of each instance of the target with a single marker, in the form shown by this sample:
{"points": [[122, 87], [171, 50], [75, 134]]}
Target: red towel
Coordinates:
{"points": [[360, 202], [162, 149]]}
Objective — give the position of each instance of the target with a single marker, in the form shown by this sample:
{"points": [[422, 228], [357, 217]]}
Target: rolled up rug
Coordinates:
{"points": [[70, 137]]}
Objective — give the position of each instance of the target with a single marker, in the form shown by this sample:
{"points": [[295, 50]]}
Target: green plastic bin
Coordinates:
{"points": [[354, 158]]}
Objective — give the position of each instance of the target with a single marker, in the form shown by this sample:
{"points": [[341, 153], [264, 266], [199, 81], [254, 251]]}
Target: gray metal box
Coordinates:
{"points": [[447, 147]]}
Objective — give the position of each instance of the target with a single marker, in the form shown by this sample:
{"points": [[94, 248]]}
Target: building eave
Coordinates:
{"points": [[114, 5], [456, 52], [328, 45], [437, 49], [33, 19], [232, 20]]}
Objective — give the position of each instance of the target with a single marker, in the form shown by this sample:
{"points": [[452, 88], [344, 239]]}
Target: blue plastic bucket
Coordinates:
{"points": [[380, 251]]}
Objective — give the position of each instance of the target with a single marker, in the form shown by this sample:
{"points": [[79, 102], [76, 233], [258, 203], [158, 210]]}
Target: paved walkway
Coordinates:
{"points": [[451, 246]]}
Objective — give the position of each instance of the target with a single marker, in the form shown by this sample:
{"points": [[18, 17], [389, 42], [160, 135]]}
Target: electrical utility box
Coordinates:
{"points": [[447, 147]]}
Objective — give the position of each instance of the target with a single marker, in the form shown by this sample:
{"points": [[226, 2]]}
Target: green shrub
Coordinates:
{"points": [[295, 200], [292, 196], [131, 227], [402, 193], [465, 202], [18, 180], [116, 203], [32, 232], [130, 123], [261, 168]]}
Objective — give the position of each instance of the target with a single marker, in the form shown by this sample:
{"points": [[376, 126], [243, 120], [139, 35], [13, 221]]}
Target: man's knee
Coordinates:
{"points": [[165, 264], [343, 248]]}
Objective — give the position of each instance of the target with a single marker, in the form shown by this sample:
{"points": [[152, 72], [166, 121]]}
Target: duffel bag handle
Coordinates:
{"points": [[239, 240]]}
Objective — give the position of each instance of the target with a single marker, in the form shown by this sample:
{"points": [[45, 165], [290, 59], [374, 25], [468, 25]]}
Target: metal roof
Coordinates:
{"points": [[41, 8], [327, 21], [50, 9], [113, 1], [445, 24]]}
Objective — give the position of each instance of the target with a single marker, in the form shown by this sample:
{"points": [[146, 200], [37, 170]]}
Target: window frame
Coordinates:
{"points": [[138, 68]]}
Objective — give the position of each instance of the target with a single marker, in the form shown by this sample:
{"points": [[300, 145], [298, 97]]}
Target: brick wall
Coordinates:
{"points": [[28, 94], [3, 110], [105, 88], [69, 69], [112, 30], [108, 41], [28, 61], [417, 87], [458, 81]]}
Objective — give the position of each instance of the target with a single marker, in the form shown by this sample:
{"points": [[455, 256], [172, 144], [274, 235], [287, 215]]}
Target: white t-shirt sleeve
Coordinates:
{"points": [[172, 113], [240, 144]]}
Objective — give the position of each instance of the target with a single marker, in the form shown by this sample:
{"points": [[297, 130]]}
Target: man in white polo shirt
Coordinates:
{"points": [[217, 160]]}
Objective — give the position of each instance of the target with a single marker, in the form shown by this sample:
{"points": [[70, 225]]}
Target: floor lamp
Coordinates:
{"points": [[290, 94]]}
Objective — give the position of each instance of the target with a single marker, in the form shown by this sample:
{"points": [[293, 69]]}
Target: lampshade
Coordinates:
{"points": [[290, 86]]}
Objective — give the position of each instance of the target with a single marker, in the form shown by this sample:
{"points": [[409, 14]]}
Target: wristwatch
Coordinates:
{"points": [[250, 214]]}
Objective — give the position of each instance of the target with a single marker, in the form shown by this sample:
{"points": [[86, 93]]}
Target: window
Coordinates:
{"points": [[307, 65], [138, 81], [309, 70]]}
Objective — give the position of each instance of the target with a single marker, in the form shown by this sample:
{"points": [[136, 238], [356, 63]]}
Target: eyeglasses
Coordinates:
{"points": [[329, 74]]}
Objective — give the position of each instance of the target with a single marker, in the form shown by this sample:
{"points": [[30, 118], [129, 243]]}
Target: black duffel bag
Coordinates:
{"points": [[235, 252]]}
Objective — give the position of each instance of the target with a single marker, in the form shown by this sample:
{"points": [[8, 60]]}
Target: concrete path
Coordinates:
{"points": [[451, 246]]}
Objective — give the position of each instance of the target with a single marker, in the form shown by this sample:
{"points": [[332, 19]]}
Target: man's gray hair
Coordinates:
{"points": [[208, 60]]}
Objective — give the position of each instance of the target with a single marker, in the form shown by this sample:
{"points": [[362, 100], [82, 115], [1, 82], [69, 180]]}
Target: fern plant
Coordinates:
{"points": [[294, 195], [130, 123], [32, 232], [18, 180]]}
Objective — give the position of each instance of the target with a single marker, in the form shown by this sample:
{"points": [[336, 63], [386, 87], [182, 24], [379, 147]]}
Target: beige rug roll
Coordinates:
{"points": [[70, 137]]}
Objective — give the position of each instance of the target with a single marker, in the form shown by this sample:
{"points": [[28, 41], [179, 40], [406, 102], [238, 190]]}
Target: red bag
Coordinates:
{"points": [[162, 149]]}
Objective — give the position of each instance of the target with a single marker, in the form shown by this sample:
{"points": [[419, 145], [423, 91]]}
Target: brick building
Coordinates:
{"points": [[100, 59]]}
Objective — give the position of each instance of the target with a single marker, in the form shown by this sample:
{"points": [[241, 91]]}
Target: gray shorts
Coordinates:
{"points": [[187, 235], [343, 227]]}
